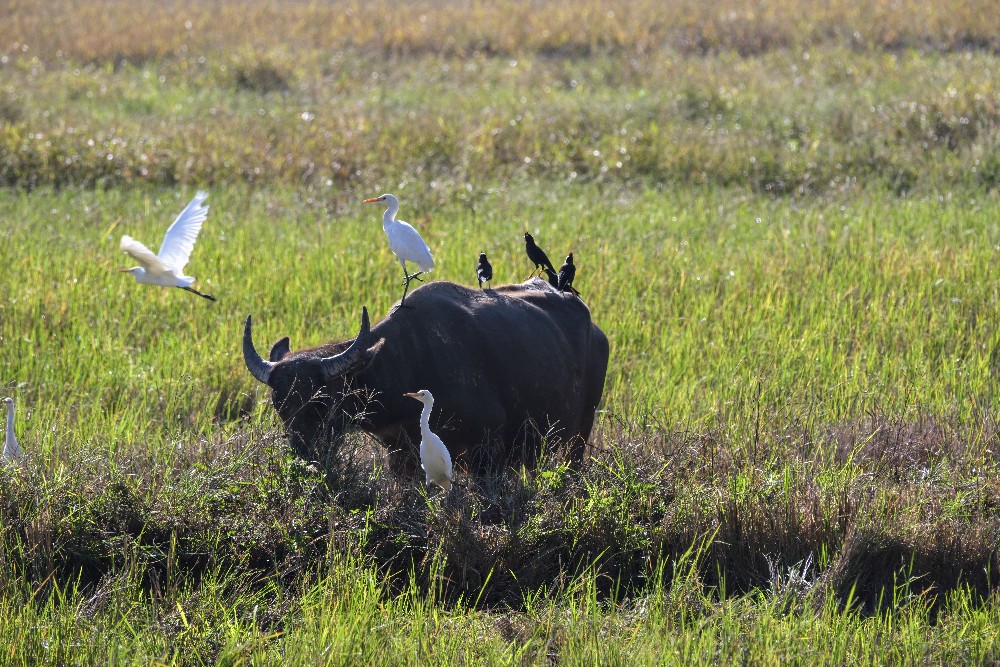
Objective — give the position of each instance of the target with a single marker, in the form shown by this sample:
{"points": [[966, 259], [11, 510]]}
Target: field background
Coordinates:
{"points": [[785, 217]]}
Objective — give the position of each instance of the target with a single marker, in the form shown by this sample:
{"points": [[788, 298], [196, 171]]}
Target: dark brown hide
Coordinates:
{"points": [[510, 368]]}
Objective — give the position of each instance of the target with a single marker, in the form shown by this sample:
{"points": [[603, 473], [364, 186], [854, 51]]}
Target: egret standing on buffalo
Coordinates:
{"points": [[434, 456], [166, 268], [484, 270], [12, 452], [537, 256], [404, 241]]}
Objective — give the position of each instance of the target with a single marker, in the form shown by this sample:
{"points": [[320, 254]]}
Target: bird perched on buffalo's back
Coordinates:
{"points": [[484, 270], [536, 255], [404, 241], [566, 274]]}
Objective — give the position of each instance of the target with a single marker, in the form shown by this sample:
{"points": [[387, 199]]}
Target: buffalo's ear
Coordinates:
{"points": [[279, 350], [370, 355]]}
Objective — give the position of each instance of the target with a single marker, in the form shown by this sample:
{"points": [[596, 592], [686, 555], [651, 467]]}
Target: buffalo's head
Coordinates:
{"points": [[309, 390]]}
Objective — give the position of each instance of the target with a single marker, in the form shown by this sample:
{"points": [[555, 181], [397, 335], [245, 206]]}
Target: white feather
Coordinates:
{"points": [[434, 456], [166, 268], [12, 452]]}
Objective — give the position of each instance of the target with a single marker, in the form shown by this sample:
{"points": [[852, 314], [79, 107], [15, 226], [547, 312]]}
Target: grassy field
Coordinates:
{"points": [[785, 218]]}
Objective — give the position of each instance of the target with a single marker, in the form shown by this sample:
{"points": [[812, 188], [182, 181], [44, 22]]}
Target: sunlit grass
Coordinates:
{"points": [[349, 616], [785, 122], [705, 296], [784, 217]]}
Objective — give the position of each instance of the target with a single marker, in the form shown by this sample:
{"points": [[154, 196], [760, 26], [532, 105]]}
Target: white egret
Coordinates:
{"points": [[434, 456], [404, 241], [12, 452], [166, 268]]}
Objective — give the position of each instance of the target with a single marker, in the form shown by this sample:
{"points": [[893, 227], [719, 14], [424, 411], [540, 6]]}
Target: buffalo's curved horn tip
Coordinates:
{"points": [[258, 367], [339, 364]]}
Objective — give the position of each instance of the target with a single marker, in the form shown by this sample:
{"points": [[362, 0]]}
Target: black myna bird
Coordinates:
{"points": [[536, 255], [553, 278], [484, 270], [566, 274]]}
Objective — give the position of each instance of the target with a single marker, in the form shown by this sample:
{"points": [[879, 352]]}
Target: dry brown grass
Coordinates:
{"points": [[884, 515], [782, 98], [115, 30]]}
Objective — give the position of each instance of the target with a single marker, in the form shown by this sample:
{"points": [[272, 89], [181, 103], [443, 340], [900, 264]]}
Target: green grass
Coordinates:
{"points": [[784, 218], [349, 616], [707, 296], [816, 385]]}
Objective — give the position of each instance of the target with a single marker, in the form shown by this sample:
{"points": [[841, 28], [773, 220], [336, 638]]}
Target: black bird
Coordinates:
{"points": [[553, 278], [566, 274], [536, 255], [484, 270]]}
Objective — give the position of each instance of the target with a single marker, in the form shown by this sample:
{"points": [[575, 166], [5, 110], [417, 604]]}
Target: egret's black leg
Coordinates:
{"points": [[407, 277], [406, 288], [194, 291]]}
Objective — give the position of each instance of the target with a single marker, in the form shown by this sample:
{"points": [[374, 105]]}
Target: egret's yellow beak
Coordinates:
{"points": [[411, 395], [373, 200]]}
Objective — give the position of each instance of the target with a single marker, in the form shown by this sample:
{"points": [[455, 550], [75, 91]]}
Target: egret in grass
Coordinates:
{"points": [[166, 268], [12, 452], [404, 241], [484, 270], [537, 256], [566, 274], [434, 456]]}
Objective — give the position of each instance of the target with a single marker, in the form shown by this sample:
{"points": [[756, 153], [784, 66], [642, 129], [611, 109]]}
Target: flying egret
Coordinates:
{"points": [[404, 241], [434, 456], [484, 270], [166, 268], [12, 452], [566, 274], [536, 255]]}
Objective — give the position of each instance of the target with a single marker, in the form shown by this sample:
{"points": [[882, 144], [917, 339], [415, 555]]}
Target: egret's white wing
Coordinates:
{"points": [[142, 254], [12, 451], [435, 457], [179, 239], [406, 243]]}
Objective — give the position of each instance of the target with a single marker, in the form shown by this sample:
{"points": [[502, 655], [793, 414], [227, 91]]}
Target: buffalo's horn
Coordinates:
{"points": [[257, 366], [339, 364]]}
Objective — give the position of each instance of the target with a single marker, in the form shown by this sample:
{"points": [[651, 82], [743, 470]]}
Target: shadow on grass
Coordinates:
{"points": [[857, 511]]}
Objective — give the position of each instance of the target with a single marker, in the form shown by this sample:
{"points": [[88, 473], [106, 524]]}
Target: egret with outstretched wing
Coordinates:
{"points": [[166, 268]]}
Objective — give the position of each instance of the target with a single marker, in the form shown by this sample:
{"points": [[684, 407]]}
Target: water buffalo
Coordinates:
{"points": [[509, 367]]}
